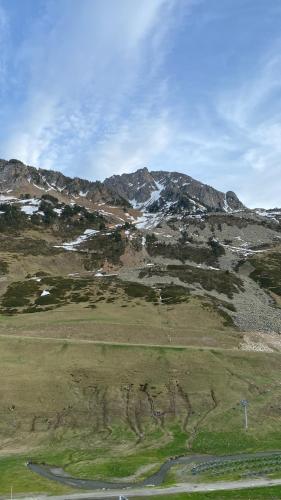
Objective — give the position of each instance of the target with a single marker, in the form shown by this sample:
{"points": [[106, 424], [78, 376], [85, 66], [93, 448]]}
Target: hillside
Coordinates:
{"points": [[161, 237], [135, 314]]}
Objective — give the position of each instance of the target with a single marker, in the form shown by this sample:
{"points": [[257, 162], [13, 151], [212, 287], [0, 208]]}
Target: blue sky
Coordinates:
{"points": [[100, 87]]}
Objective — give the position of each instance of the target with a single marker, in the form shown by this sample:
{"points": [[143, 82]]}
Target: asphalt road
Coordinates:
{"points": [[58, 474], [148, 491]]}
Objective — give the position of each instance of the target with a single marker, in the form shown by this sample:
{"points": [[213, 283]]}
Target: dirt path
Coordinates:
{"points": [[100, 342]]}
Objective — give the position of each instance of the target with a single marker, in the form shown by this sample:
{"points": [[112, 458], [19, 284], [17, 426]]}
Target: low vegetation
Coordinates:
{"points": [[72, 220], [183, 251], [23, 245], [3, 267], [109, 246], [223, 282], [267, 271]]}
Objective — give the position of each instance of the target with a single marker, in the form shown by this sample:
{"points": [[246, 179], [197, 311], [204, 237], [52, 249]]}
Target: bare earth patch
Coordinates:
{"points": [[261, 342]]}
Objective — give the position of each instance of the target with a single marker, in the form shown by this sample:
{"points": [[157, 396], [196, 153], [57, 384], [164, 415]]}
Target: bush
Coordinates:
{"points": [[50, 198], [12, 217], [216, 247], [3, 267]]}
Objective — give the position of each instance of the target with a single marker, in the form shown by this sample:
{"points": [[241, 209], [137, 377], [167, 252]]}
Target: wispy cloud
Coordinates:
{"points": [[139, 141], [252, 113], [107, 86], [83, 74], [3, 42]]}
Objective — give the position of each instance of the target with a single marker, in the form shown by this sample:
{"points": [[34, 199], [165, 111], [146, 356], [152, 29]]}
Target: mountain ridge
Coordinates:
{"points": [[15, 175], [142, 189]]}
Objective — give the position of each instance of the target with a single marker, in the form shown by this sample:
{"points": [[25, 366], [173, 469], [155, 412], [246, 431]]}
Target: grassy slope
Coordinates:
{"points": [[191, 323], [80, 405], [13, 473], [66, 403]]}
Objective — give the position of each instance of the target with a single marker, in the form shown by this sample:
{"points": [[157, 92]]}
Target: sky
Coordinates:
{"points": [[100, 87]]}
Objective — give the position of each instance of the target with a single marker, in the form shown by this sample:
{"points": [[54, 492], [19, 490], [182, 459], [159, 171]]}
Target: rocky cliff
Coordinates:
{"points": [[158, 190], [150, 191]]}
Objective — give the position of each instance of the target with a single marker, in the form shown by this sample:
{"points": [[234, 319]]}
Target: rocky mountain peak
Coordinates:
{"points": [[160, 190], [149, 191], [233, 201], [17, 177]]}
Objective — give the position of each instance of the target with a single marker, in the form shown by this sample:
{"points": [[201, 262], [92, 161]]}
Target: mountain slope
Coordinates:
{"points": [[158, 190], [127, 331], [143, 189], [15, 177], [183, 238]]}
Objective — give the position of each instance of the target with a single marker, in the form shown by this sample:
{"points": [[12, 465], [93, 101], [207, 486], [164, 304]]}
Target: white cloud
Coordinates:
{"points": [[82, 72], [137, 142], [252, 112], [95, 100], [4, 28]]}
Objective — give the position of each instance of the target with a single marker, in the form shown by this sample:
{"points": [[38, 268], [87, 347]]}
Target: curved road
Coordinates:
{"points": [[150, 485]]}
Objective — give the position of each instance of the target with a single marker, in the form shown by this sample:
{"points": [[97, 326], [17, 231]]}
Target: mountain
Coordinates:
{"points": [[169, 191], [136, 314], [18, 178], [152, 191], [151, 229]]}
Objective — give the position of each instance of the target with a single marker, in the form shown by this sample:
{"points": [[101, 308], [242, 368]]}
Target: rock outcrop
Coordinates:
{"points": [[159, 190]]}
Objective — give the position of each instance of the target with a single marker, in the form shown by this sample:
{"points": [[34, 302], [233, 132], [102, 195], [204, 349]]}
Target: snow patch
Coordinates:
{"points": [[29, 206], [270, 214], [103, 212], [29, 209], [201, 266], [243, 250], [101, 275], [6, 198], [148, 221], [154, 196], [38, 187], [88, 233]]}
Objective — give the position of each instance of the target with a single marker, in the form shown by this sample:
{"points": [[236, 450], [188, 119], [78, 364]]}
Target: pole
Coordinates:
{"points": [[244, 404], [246, 417], [11, 493]]}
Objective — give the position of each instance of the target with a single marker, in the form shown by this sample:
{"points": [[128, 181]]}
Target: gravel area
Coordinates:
{"points": [[256, 310]]}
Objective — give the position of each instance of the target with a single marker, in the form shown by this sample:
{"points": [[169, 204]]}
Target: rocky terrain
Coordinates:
{"points": [[159, 231], [170, 191], [15, 177], [136, 313]]}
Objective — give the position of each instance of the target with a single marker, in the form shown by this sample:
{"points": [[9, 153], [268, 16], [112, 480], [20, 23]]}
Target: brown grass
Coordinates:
{"points": [[141, 322]]}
